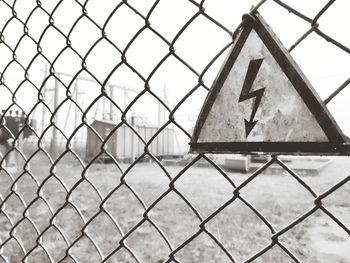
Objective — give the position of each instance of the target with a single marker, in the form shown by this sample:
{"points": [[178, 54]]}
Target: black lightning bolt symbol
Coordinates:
{"points": [[253, 68]]}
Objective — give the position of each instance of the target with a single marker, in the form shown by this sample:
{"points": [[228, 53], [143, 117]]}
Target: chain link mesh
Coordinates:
{"points": [[52, 211]]}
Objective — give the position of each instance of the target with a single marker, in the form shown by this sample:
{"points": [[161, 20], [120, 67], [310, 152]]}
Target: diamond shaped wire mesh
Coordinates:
{"points": [[58, 206]]}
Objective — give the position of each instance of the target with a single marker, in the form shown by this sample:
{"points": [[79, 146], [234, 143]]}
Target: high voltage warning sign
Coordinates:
{"points": [[262, 102]]}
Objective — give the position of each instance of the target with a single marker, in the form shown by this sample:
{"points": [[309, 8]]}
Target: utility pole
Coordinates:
{"points": [[165, 140], [165, 101], [76, 110], [104, 108], [75, 96], [159, 114], [132, 138], [111, 106], [125, 97], [44, 96], [54, 141], [160, 111]]}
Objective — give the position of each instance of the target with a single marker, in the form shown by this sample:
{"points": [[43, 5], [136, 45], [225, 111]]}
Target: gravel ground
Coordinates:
{"points": [[280, 198]]}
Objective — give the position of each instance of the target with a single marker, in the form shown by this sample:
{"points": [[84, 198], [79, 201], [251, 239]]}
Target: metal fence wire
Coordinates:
{"points": [[47, 216]]}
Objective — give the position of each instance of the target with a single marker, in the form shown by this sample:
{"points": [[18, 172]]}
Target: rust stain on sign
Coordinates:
{"points": [[262, 102]]}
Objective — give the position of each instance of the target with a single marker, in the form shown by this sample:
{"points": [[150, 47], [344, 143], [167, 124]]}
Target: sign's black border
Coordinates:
{"points": [[286, 148], [337, 144]]}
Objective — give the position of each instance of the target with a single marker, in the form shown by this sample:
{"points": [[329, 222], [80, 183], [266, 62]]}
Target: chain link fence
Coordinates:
{"points": [[58, 59]]}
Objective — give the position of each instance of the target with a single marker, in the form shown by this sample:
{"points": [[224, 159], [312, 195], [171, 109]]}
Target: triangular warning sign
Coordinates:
{"points": [[262, 102]]}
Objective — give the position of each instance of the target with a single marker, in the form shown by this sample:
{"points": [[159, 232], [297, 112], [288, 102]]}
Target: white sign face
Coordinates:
{"points": [[262, 102], [281, 114]]}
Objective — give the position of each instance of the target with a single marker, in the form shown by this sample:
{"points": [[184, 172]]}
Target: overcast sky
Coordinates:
{"points": [[325, 65]]}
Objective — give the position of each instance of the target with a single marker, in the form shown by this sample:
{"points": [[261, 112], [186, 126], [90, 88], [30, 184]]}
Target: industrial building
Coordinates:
{"points": [[124, 144]]}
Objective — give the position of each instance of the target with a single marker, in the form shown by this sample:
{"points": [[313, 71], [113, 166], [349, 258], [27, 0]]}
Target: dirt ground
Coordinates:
{"points": [[280, 198]]}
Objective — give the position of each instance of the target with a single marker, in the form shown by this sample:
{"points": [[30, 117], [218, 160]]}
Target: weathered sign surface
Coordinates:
{"points": [[262, 102]]}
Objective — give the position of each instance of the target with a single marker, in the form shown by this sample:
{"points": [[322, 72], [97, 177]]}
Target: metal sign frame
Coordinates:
{"points": [[338, 143]]}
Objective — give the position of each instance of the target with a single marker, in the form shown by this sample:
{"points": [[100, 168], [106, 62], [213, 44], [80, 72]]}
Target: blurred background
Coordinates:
{"points": [[98, 103]]}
